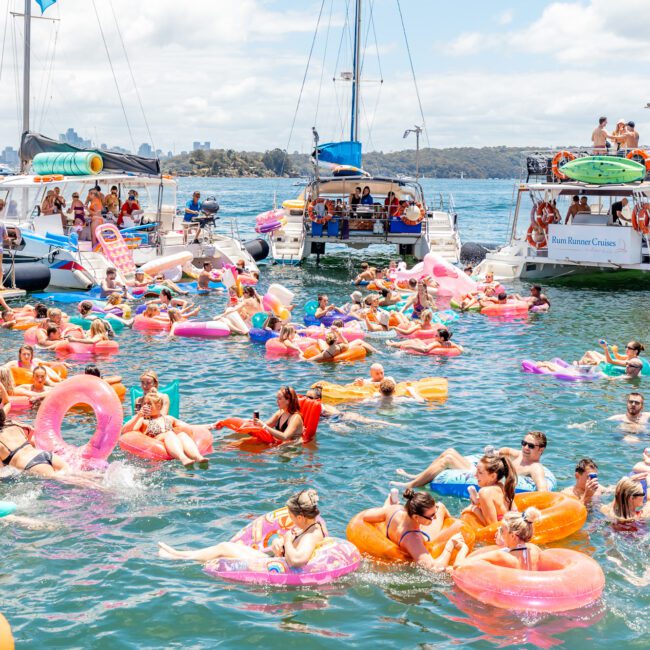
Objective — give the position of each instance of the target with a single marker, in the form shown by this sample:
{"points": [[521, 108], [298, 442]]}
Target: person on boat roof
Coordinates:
{"points": [[599, 137]]}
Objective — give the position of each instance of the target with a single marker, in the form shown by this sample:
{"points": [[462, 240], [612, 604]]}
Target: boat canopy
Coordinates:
{"points": [[121, 163], [339, 153], [404, 190]]}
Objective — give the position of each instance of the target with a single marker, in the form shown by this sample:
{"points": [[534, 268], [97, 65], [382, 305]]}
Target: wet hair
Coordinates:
{"points": [[521, 524], [540, 438], [387, 386], [320, 296], [504, 469], [626, 488], [338, 323], [291, 395], [166, 292], [111, 271], [92, 370], [152, 375], [444, 334], [636, 346], [417, 503], [175, 315], [536, 287], [271, 323], [287, 332], [304, 503], [52, 329], [38, 368], [98, 327], [85, 307], [40, 310], [317, 392], [331, 338], [28, 347], [584, 464], [502, 296]]}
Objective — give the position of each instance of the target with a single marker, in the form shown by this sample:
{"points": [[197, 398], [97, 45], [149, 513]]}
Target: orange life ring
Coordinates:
{"points": [[641, 218], [542, 213], [329, 205], [640, 153], [49, 178], [530, 239], [557, 159], [413, 222]]}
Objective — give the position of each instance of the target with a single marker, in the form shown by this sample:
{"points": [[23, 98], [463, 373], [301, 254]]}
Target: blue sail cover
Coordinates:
{"points": [[340, 153]]}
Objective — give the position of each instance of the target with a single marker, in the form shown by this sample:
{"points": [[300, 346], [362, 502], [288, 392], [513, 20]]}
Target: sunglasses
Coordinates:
{"points": [[435, 511], [530, 445], [636, 496], [630, 347]]}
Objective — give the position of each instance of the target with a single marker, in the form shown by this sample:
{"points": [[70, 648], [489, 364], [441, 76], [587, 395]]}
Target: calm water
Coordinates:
{"points": [[95, 581]]}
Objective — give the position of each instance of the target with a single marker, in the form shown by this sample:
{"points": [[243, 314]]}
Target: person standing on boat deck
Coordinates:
{"points": [[583, 206], [59, 204], [112, 204], [618, 135], [599, 137], [193, 209], [574, 208], [616, 210], [355, 199], [95, 207]]}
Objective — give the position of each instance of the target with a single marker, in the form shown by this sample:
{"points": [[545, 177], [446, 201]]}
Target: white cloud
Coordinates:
{"points": [[506, 17]]}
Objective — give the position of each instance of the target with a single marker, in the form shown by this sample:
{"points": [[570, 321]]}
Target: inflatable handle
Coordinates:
{"points": [[82, 389], [6, 508]]}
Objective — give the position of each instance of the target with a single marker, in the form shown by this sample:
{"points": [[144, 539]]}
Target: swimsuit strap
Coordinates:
{"points": [[524, 552], [389, 523], [408, 532], [12, 453]]}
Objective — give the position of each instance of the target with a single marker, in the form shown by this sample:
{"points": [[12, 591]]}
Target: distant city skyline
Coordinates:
{"points": [[499, 73]]}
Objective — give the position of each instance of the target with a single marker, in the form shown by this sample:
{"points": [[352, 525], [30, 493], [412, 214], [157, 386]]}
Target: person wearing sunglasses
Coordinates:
{"points": [[634, 415], [628, 504], [418, 521], [526, 462], [632, 351]]}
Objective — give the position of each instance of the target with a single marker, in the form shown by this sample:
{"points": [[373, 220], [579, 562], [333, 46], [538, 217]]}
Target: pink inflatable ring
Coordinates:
{"points": [[565, 580], [143, 446], [81, 389], [332, 558]]}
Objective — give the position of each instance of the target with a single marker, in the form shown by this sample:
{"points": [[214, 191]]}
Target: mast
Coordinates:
{"points": [[356, 74], [26, 70]]}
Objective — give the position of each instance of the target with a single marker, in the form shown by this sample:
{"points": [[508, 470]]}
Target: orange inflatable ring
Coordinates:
{"points": [[562, 516], [640, 153], [559, 157], [24, 376], [6, 639], [641, 218], [144, 446], [49, 178], [542, 213], [531, 240], [329, 205], [371, 539], [351, 354], [413, 222]]}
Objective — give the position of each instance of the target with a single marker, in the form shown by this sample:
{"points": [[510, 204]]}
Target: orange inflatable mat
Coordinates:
{"points": [[351, 354]]}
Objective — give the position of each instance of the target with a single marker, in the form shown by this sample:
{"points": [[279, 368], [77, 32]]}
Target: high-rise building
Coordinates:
{"points": [[196, 145], [73, 138], [146, 151], [9, 156]]}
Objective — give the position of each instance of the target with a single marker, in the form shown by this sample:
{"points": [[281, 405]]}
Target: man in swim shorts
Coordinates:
{"points": [[599, 137], [634, 413], [525, 460]]}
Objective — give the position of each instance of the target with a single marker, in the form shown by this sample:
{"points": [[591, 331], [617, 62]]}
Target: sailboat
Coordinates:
{"points": [[74, 264], [328, 211]]}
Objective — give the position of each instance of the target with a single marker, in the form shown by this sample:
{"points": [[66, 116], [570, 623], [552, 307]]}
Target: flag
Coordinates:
{"points": [[44, 4]]}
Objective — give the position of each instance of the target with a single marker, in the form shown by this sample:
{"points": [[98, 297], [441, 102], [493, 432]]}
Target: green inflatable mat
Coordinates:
{"points": [[172, 390]]}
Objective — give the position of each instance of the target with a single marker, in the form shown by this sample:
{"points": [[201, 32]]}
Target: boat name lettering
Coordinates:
{"points": [[594, 241]]}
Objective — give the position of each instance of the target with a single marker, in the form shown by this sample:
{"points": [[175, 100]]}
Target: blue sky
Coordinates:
{"points": [[489, 73]]}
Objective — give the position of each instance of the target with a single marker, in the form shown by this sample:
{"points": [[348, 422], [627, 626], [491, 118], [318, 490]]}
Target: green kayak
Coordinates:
{"points": [[603, 170]]}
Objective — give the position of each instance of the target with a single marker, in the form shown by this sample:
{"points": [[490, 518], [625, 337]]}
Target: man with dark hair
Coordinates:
{"points": [[631, 136], [574, 208], [599, 137], [536, 298], [586, 487]]}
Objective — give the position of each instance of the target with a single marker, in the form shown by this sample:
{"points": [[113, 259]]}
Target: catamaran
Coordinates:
{"points": [[327, 211], [564, 226]]}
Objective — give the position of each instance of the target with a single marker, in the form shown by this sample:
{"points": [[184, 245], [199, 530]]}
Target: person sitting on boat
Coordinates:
{"points": [[296, 547], [355, 199], [391, 203], [367, 274], [339, 209], [47, 206], [586, 487], [629, 502], [59, 205], [514, 535], [95, 206], [78, 212], [366, 197], [497, 479], [129, 206], [110, 284], [616, 211], [574, 208], [441, 339], [420, 519], [526, 461]]}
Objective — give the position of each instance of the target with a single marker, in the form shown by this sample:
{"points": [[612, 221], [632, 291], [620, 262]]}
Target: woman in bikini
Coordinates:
{"points": [[497, 479], [419, 520], [27, 361], [335, 344], [425, 324], [296, 547], [442, 339], [37, 390], [286, 423], [172, 432]]}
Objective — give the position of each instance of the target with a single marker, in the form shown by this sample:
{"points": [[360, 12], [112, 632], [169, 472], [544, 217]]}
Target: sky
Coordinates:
{"points": [[231, 71]]}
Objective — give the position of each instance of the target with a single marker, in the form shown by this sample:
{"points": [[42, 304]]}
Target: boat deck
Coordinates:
{"points": [[12, 294]]}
